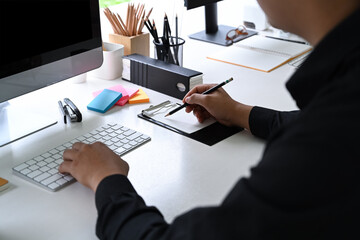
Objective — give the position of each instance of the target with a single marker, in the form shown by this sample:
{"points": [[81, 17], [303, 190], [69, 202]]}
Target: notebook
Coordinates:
{"points": [[260, 53]]}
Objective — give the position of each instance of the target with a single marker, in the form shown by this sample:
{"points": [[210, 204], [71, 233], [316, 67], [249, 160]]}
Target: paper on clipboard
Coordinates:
{"points": [[183, 121]]}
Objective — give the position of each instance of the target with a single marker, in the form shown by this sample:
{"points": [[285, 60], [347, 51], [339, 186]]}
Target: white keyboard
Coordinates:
{"points": [[43, 169]]}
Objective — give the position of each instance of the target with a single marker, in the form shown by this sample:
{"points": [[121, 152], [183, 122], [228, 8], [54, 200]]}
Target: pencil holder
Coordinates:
{"points": [[112, 64], [172, 52], [135, 44]]}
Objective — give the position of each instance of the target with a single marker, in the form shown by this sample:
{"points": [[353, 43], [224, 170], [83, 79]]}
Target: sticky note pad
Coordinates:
{"points": [[105, 100], [140, 97], [132, 91], [126, 93]]}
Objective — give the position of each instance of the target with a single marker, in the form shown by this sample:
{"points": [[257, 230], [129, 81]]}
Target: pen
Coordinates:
{"points": [[288, 40], [206, 92], [156, 37], [177, 41]]}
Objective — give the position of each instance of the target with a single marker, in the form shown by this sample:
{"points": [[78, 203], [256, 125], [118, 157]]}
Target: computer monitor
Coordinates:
{"points": [[213, 32], [43, 42]]}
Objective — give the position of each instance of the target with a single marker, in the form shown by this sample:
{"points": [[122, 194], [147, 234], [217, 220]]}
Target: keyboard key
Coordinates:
{"points": [[113, 147], [57, 156], [67, 145], [69, 178], [26, 171], [21, 167], [34, 167], [46, 155], [30, 162], [53, 151], [39, 158], [61, 148], [61, 181], [80, 139], [44, 169], [41, 164], [129, 132], [120, 150], [53, 186], [34, 174], [42, 177], [59, 161], [133, 136], [51, 179], [127, 146], [124, 141], [49, 160], [53, 171], [97, 136]]}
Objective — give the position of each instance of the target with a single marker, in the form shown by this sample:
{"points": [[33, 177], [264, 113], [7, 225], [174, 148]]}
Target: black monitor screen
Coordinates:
{"points": [[37, 32], [190, 4]]}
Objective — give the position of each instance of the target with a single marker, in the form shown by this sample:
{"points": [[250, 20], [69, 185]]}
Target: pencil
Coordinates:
{"points": [[176, 49], [206, 92]]}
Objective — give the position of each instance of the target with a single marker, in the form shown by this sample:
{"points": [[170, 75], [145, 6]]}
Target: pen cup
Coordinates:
{"points": [[172, 52]]}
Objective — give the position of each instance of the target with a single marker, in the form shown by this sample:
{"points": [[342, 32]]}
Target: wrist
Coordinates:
{"points": [[241, 115]]}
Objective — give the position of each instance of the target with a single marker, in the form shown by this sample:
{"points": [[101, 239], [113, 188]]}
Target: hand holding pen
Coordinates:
{"points": [[198, 89], [218, 105]]}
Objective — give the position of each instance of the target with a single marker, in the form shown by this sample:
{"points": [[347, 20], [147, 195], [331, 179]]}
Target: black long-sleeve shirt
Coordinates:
{"points": [[307, 184]]}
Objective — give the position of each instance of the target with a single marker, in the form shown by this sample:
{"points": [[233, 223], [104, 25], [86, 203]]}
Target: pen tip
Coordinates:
{"points": [[167, 115]]}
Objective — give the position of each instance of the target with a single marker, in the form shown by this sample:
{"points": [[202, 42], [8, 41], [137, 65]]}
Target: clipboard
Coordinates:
{"points": [[210, 133]]}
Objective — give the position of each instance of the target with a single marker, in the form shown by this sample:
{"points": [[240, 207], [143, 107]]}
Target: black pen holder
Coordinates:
{"points": [[169, 50]]}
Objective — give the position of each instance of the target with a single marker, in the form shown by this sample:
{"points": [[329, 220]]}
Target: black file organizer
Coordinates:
{"points": [[209, 135], [160, 76]]}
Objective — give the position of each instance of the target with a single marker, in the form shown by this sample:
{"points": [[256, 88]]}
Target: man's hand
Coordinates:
{"points": [[217, 104], [91, 163]]}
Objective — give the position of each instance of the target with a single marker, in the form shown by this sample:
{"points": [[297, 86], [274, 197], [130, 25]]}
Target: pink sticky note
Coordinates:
{"points": [[132, 91], [125, 95]]}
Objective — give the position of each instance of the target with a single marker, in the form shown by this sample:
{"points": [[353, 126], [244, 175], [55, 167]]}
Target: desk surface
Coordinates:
{"points": [[171, 172]]}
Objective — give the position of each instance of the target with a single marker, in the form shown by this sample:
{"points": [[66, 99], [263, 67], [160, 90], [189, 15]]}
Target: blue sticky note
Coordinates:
{"points": [[105, 100]]}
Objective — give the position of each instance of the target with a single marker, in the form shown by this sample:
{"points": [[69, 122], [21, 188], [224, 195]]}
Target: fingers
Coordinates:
{"points": [[200, 113], [65, 167], [69, 155], [195, 99], [198, 89], [77, 145]]}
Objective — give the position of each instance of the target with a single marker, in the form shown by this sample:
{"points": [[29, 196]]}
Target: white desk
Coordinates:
{"points": [[172, 172]]}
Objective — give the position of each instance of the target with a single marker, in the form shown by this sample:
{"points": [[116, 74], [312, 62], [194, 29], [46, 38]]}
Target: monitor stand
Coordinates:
{"points": [[18, 122], [213, 33]]}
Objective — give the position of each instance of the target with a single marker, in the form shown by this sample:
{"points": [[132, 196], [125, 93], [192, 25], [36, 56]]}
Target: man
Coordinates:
{"points": [[307, 184]]}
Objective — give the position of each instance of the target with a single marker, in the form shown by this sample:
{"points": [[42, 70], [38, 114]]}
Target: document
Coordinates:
{"points": [[260, 53], [181, 120]]}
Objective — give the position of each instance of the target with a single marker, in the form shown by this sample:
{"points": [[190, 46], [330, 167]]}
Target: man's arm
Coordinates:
{"points": [[122, 213], [260, 121]]}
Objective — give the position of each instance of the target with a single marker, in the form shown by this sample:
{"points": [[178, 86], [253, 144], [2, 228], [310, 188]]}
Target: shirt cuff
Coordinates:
{"points": [[109, 186], [259, 121]]}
